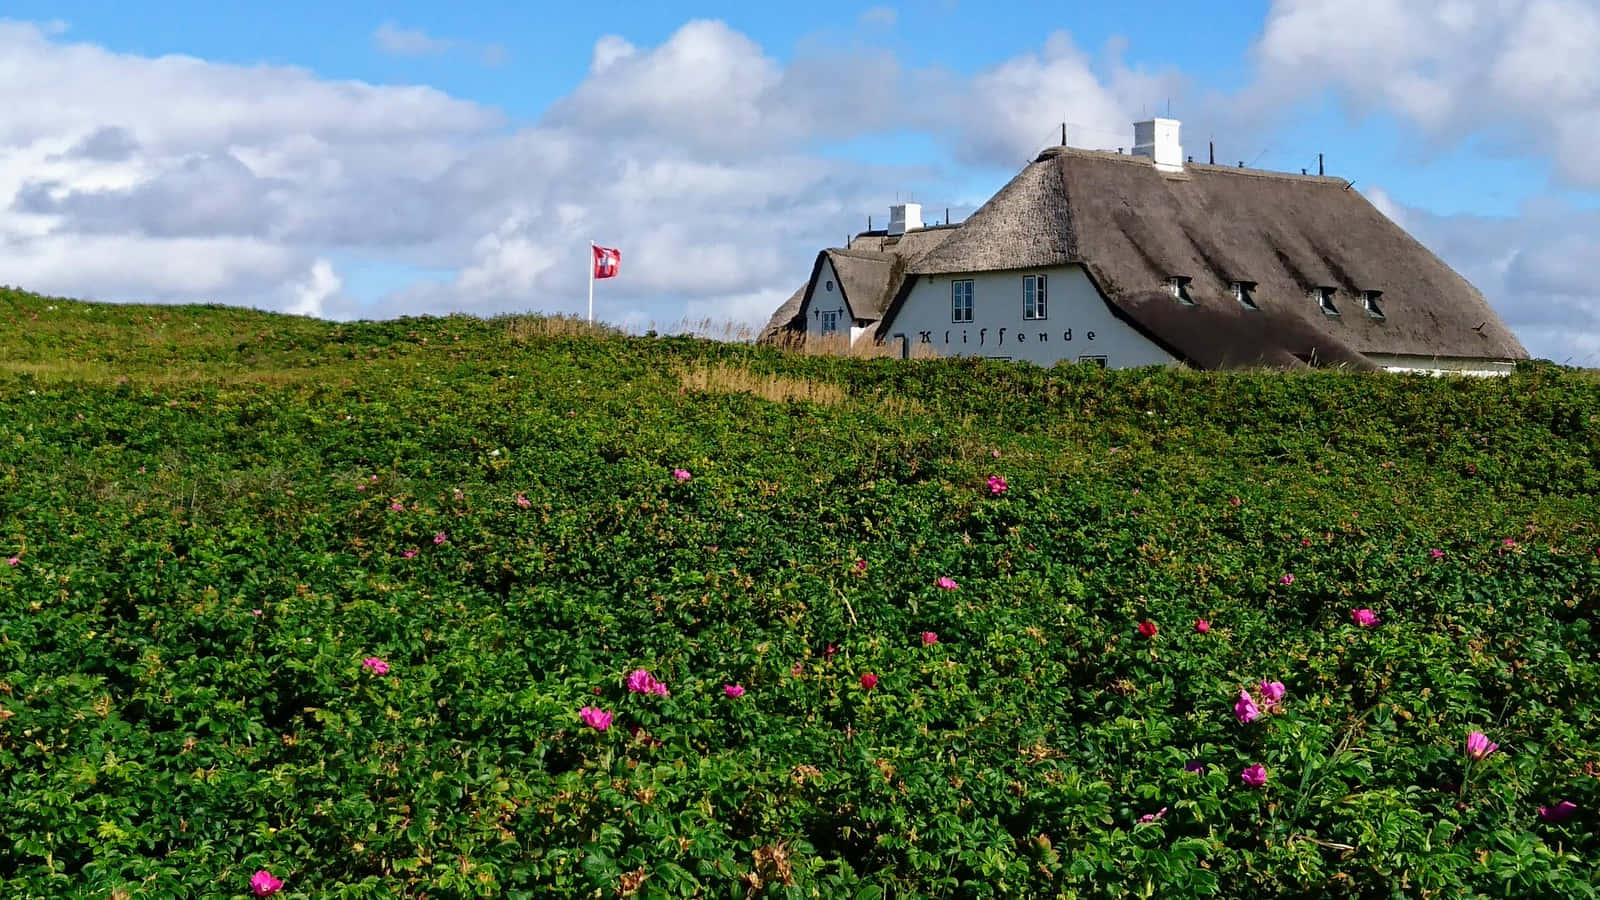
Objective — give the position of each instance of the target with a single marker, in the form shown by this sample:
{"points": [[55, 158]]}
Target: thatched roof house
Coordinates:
{"points": [[1157, 259]]}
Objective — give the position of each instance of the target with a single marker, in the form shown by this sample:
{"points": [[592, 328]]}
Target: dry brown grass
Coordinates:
{"points": [[522, 329], [726, 379]]}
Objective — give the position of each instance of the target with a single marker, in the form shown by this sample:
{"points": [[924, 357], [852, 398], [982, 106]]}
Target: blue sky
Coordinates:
{"points": [[379, 159]]}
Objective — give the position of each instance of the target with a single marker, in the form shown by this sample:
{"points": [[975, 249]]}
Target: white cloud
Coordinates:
{"points": [[879, 16], [1522, 74], [393, 39]]}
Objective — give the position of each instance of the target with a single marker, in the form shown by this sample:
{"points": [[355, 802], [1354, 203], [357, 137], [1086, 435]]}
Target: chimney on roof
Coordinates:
{"points": [[1158, 139], [904, 217]]}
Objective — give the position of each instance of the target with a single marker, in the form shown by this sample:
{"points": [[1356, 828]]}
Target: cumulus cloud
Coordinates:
{"points": [[1519, 74]]}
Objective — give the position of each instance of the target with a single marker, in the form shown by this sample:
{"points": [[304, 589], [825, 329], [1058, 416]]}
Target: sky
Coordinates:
{"points": [[372, 161]]}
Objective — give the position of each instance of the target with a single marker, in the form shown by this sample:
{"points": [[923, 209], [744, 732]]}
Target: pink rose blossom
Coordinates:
{"points": [[595, 718], [375, 665], [1366, 618], [14, 561], [733, 690], [1147, 818], [1559, 812], [256, 613], [1305, 542], [1509, 542], [361, 487], [408, 553], [1202, 626], [523, 501], [264, 885], [1272, 693], [1255, 775], [1286, 579], [929, 639], [374, 478], [947, 583], [439, 538], [1236, 501], [997, 484], [642, 682], [798, 669], [1436, 553], [869, 681], [1147, 629], [1479, 745], [681, 475], [861, 565], [1245, 710], [397, 507], [995, 453]]}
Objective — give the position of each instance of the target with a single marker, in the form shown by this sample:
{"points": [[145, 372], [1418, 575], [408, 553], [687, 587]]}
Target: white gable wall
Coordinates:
{"points": [[827, 296], [1078, 323]]}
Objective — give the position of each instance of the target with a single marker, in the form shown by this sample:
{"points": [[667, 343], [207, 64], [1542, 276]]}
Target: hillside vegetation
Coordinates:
{"points": [[330, 601]]}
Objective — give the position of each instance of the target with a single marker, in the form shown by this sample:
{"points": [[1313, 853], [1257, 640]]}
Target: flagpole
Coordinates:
{"points": [[591, 282]]}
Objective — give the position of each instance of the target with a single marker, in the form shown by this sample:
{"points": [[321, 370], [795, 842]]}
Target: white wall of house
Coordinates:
{"points": [[1077, 326], [1442, 365], [828, 297]]}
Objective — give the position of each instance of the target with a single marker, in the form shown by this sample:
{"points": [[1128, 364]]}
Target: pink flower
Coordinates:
{"points": [[681, 475], [1286, 579], [1147, 818], [439, 538], [1236, 501], [1436, 553], [1305, 542], [256, 613], [1479, 745], [1509, 542], [1195, 766], [1147, 629], [397, 507], [264, 885], [1255, 775], [523, 501], [947, 583], [374, 478], [408, 553], [1366, 618], [375, 665], [869, 681], [798, 669], [361, 487], [595, 718], [1245, 710], [997, 484], [14, 561], [996, 453], [1559, 812], [460, 494], [1202, 626], [929, 639], [1272, 693], [642, 682], [861, 565], [733, 690], [830, 650]]}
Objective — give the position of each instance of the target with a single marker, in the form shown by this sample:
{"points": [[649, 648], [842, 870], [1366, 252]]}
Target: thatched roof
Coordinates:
{"points": [[871, 271], [1133, 227]]}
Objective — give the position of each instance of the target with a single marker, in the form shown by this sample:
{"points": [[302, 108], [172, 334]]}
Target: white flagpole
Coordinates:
{"points": [[591, 282]]}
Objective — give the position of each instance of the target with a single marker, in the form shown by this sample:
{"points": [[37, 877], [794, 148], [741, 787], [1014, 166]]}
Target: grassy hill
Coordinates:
{"points": [[327, 599]]}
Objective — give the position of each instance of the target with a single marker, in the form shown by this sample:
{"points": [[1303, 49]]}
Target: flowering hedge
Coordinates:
{"points": [[425, 607]]}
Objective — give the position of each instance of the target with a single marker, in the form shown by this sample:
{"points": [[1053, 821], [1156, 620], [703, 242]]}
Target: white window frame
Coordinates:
{"points": [[830, 321], [1244, 292], [1179, 286], [1369, 299], [961, 289], [1324, 298], [1035, 298]]}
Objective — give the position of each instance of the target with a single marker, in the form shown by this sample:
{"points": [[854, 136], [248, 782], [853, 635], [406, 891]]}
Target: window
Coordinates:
{"points": [[1093, 360], [830, 322], [1179, 286], [1324, 297], [961, 300], [1034, 295], [829, 285], [1370, 300], [1245, 293]]}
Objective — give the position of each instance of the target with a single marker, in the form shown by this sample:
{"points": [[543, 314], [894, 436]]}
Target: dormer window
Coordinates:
{"points": [[1245, 293], [1179, 286], [1369, 299], [1324, 297]]}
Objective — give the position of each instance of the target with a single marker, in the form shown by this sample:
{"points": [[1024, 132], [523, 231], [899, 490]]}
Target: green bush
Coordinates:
{"points": [[201, 506]]}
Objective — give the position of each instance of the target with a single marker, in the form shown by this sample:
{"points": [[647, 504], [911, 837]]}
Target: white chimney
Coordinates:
{"points": [[1158, 139], [905, 217]]}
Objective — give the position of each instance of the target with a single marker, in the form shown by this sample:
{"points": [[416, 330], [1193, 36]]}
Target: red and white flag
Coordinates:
{"points": [[607, 262]]}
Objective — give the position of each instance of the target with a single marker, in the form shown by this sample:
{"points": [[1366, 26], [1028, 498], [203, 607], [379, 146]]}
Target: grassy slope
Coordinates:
{"points": [[164, 471]]}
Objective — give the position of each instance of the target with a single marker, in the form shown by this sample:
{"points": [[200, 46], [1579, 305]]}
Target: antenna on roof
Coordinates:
{"points": [[1319, 164], [1063, 134], [1213, 146]]}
